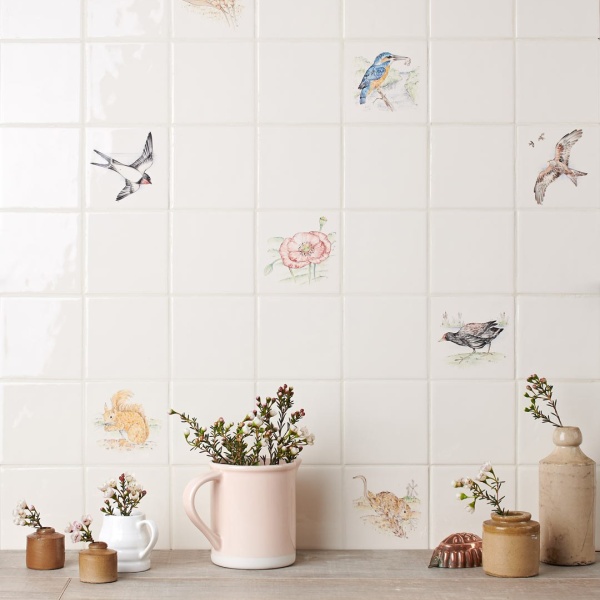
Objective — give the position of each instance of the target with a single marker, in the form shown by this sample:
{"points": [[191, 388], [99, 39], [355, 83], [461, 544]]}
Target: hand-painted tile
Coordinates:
{"points": [[213, 18]]}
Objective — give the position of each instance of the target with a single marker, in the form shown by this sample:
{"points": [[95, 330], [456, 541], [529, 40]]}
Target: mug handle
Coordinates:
{"points": [[153, 537], [189, 495]]}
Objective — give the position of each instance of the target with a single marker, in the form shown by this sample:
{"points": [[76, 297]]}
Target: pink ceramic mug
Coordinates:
{"points": [[253, 514]]}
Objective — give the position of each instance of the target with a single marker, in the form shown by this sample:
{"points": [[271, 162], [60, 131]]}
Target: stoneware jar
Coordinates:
{"points": [[567, 502], [511, 545], [133, 537], [253, 514], [45, 549], [98, 564]]}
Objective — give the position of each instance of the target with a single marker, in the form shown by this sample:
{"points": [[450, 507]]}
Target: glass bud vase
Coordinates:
{"points": [[567, 502]]}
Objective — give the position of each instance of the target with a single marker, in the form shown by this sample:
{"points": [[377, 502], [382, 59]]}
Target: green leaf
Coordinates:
{"points": [[268, 269]]}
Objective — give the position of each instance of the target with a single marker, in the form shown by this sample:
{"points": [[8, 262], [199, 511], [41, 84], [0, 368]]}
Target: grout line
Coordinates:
{"points": [[257, 184], [62, 592]]}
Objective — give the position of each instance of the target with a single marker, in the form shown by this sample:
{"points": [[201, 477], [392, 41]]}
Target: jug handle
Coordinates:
{"points": [[189, 495], [153, 537]]}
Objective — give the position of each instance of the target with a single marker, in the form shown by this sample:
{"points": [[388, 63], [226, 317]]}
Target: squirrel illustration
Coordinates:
{"points": [[128, 419]]}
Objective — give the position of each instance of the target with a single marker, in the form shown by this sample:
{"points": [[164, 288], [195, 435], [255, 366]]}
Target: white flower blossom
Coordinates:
{"points": [[257, 421], [87, 520], [482, 476], [470, 509], [486, 467]]}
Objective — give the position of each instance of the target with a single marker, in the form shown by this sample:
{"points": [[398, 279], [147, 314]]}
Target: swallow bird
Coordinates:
{"points": [[559, 165], [474, 335], [134, 174], [377, 73]]}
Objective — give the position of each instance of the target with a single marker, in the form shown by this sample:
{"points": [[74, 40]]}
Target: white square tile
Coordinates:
{"points": [[299, 82], [552, 18], [115, 18], [558, 268], [196, 267], [213, 338], [298, 253], [127, 421], [452, 360], [385, 252], [528, 490], [402, 95], [127, 253], [29, 72], [472, 251], [470, 404], [230, 96], [127, 83], [544, 98], [536, 145], [39, 19], [385, 337], [397, 432], [196, 19], [40, 252], [41, 338], [386, 507], [558, 336], [290, 19], [313, 327], [52, 412], [382, 173], [385, 18], [472, 18], [214, 167], [55, 154], [487, 151], [127, 338], [299, 167], [126, 146], [472, 81]]}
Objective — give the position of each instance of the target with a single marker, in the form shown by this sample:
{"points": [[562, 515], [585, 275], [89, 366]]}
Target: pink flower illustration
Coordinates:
{"points": [[305, 248]]}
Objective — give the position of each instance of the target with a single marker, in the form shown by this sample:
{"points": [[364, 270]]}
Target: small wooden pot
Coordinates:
{"points": [[98, 564], [45, 549]]}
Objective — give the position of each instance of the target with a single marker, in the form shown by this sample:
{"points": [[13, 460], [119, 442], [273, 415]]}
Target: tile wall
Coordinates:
{"points": [[416, 210]]}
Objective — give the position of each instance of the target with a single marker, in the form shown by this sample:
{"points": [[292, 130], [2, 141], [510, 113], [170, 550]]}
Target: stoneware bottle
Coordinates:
{"points": [[98, 564], [567, 502], [511, 545], [45, 549]]}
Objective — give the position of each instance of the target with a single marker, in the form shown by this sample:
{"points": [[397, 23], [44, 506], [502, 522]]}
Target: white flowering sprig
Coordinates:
{"points": [[121, 495], [267, 435], [540, 389], [80, 530], [488, 478], [26, 516]]}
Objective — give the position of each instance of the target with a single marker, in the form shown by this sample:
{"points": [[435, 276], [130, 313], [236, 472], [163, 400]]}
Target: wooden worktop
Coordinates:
{"points": [[323, 574]]}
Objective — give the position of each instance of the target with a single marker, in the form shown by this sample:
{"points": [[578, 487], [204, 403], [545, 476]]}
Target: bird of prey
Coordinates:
{"points": [[377, 73], [559, 165], [474, 335], [134, 174]]}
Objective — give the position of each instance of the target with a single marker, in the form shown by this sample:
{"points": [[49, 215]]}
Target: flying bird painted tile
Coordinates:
{"points": [[134, 174], [559, 165]]}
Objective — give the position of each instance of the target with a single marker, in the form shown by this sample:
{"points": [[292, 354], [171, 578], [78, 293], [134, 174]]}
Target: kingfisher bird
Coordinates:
{"points": [[377, 73]]}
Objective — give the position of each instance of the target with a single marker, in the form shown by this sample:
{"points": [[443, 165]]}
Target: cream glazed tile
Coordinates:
{"points": [[558, 336], [381, 173], [385, 337], [472, 18], [536, 145], [544, 98], [450, 360], [127, 253], [29, 72], [126, 83], [298, 253], [214, 167], [194, 19], [213, 337], [401, 97], [39, 486], [40, 252], [39, 19], [470, 403], [58, 170], [290, 19], [472, 81], [386, 507], [385, 18], [400, 437], [489, 153], [577, 19], [126, 421], [126, 146], [127, 338], [51, 413], [132, 18], [299, 167], [41, 337]]}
